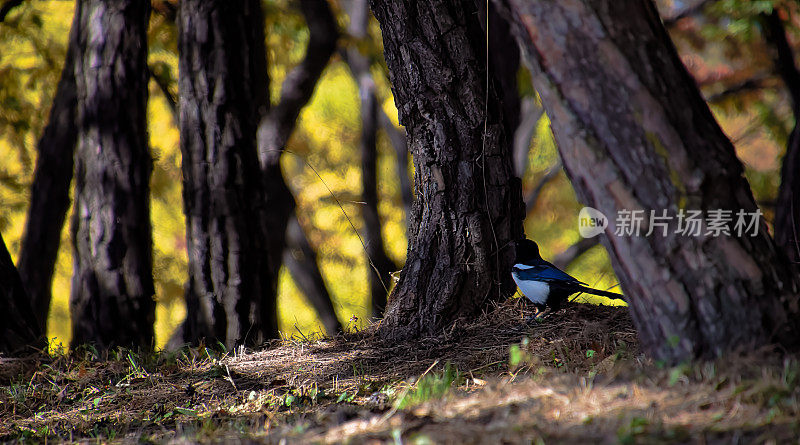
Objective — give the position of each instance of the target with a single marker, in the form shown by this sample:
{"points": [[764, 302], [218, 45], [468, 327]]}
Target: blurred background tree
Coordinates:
{"points": [[720, 41]]}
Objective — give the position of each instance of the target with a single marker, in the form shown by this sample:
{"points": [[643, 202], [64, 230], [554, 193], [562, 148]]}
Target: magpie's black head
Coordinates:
{"points": [[527, 251]]}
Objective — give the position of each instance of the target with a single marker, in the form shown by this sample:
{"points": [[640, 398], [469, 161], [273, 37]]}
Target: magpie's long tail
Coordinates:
{"points": [[602, 293]]}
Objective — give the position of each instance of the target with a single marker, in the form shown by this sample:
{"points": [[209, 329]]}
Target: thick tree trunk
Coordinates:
{"points": [[634, 133], [112, 286], [301, 260], [50, 189], [787, 209], [468, 205], [380, 266], [222, 85], [20, 329]]}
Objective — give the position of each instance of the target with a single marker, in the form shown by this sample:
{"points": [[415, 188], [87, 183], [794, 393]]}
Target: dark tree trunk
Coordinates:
{"points": [[277, 125], [635, 133], [503, 66], [50, 189], [112, 286], [301, 260], [380, 266], [468, 205], [787, 209], [20, 329], [400, 145], [222, 82]]}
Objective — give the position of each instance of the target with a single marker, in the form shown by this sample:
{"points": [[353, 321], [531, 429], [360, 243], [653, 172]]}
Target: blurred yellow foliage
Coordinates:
{"points": [[322, 162]]}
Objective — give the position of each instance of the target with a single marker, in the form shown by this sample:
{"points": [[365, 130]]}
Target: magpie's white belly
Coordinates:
{"points": [[536, 291]]}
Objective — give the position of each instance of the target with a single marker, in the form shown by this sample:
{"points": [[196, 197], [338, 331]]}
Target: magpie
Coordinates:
{"points": [[543, 283]]}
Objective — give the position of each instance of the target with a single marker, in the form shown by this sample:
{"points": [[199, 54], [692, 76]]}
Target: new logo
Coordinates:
{"points": [[591, 222]]}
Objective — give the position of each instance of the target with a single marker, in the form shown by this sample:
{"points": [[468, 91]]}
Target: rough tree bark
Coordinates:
{"points": [[277, 124], [20, 329], [634, 133], [303, 268], [50, 189], [380, 266], [112, 286], [787, 208], [222, 78], [468, 205]]}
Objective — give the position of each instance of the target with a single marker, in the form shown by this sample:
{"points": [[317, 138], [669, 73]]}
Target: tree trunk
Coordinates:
{"points": [[50, 189], [380, 266], [222, 83], [277, 125], [20, 329], [301, 260], [530, 113], [634, 133], [400, 145], [787, 208], [112, 286], [468, 207]]}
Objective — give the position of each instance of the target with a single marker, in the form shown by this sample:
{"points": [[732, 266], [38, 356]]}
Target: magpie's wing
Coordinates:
{"points": [[545, 272]]}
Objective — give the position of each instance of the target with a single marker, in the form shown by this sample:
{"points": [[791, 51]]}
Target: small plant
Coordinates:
{"points": [[679, 373], [628, 433], [431, 386], [345, 397], [518, 355]]}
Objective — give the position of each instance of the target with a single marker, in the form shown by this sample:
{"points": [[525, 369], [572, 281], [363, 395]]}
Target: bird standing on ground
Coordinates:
{"points": [[543, 283]]}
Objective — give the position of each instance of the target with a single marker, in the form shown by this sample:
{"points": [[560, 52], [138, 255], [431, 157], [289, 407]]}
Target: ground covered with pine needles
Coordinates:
{"points": [[577, 376]]}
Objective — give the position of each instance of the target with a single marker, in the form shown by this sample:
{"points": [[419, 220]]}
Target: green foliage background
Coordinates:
{"points": [[33, 40]]}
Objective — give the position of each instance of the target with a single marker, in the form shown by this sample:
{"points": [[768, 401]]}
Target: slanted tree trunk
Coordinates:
{"points": [[379, 266], [112, 287], [222, 77], [50, 189], [634, 133], [468, 205], [787, 208], [301, 260], [530, 113], [20, 329], [277, 124]]}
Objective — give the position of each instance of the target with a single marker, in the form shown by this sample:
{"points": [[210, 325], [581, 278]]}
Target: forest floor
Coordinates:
{"points": [[577, 376]]}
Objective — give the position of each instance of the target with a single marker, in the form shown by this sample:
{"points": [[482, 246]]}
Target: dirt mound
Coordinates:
{"points": [[135, 397]]}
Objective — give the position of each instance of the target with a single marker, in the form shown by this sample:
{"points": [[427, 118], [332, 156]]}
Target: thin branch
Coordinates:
{"points": [[752, 84], [163, 85]]}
